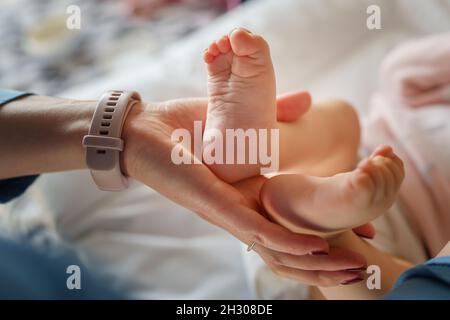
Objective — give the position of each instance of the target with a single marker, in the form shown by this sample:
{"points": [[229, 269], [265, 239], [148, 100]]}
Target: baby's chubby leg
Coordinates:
{"points": [[323, 142]]}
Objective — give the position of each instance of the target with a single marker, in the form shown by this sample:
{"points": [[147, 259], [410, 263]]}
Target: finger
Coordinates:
{"points": [[250, 226], [319, 278], [337, 260], [227, 208], [292, 106], [366, 231]]}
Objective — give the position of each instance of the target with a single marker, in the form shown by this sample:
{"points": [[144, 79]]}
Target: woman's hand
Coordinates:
{"points": [[45, 133], [147, 158]]}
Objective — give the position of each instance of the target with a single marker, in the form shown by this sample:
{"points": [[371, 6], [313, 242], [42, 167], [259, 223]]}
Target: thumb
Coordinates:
{"points": [[366, 231]]}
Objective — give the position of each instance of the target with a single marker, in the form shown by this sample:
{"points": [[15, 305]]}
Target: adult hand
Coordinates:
{"points": [[147, 158]]}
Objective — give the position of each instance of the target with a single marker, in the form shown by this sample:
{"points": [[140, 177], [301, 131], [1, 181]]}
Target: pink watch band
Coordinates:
{"points": [[103, 143]]}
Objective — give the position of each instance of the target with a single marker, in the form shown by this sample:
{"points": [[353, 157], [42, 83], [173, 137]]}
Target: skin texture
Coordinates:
{"points": [[333, 204], [241, 92], [241, 95], [229, 207], [332, 284], [317, 198], [46, 134]]}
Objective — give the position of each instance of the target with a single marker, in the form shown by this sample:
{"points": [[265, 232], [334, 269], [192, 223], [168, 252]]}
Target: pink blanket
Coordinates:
{"points": [[412, 113]]}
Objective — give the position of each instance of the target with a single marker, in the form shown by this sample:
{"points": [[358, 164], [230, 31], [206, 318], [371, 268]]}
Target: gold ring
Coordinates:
{"points": [[251, 246]]}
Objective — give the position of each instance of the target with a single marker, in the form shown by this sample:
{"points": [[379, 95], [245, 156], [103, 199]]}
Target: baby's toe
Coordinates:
{"points": [[214, 49], [361, 180], [393, 163], [208, 57], [383, 150], [389, 179], [245, 43], [398, 170], [381, 176], [371, 168], [223, 44]]}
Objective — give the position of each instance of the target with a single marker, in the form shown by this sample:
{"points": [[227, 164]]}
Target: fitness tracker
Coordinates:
{"points": [[103, 143]]}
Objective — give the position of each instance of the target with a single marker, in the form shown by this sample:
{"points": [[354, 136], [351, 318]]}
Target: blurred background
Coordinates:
{"points": [[140, 241], [40, 54]]}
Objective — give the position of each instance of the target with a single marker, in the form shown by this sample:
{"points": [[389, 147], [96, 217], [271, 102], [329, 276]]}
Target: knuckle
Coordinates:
{"points": [[276, 270], [258, 236], [277, 260]]}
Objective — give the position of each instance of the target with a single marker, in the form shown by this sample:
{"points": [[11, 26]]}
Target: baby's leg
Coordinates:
{"points": [[241, 90], [323, 142], [390, 268], [332, 204]]}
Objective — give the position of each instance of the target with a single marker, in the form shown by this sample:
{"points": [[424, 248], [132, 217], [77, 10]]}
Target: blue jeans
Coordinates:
{"points": [[28, 273]]}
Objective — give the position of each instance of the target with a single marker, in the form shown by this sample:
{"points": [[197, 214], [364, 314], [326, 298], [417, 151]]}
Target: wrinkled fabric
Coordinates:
{"points": [[412, 114]]}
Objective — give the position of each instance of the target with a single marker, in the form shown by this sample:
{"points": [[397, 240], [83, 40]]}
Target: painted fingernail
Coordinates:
{"points": [[319, 253], [366, 237], [357, 269], [352, 281]]}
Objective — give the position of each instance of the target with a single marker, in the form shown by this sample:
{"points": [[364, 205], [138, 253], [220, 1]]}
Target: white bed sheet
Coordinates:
{"points": [[154, 248]]}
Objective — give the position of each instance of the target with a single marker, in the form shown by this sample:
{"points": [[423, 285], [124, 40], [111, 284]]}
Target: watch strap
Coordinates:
{"points": [[103, 143]]}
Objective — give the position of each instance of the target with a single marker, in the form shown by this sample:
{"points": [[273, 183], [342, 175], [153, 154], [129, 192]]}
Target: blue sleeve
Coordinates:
{"points": [[27, 272], [10, 95], [11, 188], [429, 281], [14, 187]]}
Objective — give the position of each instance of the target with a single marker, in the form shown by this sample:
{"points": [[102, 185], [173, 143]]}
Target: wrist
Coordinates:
{"points": [[75, 126], [132, 135]]}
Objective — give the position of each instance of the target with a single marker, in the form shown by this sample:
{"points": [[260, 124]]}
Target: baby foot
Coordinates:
{"points": [[333, 204], [241, 91]]}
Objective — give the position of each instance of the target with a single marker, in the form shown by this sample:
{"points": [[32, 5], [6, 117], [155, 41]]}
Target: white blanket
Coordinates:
{"points": [[154, 248]]}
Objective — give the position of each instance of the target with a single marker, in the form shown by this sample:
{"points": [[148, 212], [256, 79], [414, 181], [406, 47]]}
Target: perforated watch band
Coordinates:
{"points": [[103, 143]]}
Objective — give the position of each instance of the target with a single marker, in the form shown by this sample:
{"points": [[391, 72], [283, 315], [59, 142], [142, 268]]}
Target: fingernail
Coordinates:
{"points": [[352, 281], [232, 30], [246, 30], [239, 28], [319, 253], [365, 237], [357, 269]]}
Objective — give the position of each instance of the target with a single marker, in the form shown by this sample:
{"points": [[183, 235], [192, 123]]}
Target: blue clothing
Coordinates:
{"points": [[14, 187], [11, 188], [10, 95], [29, 273], [428, 281]]}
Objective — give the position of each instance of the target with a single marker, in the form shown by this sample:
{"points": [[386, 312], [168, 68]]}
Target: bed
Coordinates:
{"points": [[149, 246]]}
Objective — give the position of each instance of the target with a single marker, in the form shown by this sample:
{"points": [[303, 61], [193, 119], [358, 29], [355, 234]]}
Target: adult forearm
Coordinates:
{"points": [[43, 134]]}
